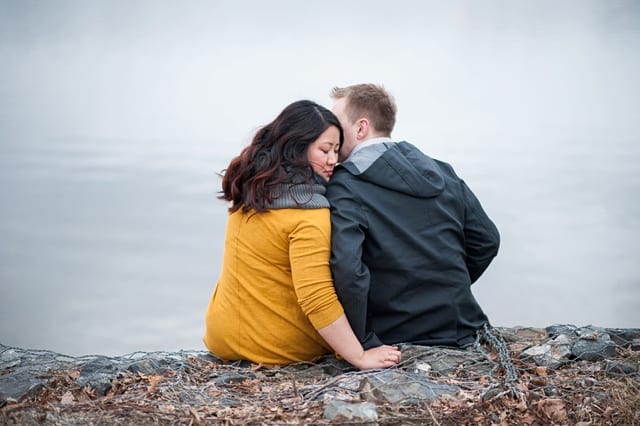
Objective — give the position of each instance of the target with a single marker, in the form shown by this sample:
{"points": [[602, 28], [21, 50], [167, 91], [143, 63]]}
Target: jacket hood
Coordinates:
{"points": [[398, 166]]}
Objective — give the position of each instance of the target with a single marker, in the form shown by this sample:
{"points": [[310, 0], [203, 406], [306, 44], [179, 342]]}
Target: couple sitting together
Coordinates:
{"points": [[340, 239]]}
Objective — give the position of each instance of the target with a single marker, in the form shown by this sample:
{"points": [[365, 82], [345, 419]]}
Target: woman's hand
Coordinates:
{"points": [[380, 357], [340, 337]]}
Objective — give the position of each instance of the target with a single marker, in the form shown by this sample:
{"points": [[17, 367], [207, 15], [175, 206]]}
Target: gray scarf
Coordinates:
{"points": [[299, 196]]}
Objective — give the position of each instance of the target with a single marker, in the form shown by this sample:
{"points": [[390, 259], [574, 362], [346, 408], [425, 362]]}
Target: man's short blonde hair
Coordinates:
{"points": [[369, 101]]}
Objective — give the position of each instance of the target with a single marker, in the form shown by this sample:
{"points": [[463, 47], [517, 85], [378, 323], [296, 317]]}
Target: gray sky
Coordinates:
{"points": [[198, 68]]}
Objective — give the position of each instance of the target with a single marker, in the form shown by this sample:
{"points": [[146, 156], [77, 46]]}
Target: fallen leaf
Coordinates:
{"points": [[167, 408], [89, 391], [67, 398], [541, 371], [554, 409], [153, 383], [521, 406]]}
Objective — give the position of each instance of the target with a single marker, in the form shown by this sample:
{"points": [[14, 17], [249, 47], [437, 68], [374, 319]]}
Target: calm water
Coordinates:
{"points": [[115, 118]]}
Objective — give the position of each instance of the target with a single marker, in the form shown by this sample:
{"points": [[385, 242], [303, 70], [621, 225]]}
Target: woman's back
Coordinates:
{"points": [[275, 286]]}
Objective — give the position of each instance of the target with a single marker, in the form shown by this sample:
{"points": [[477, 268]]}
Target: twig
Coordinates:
{"points": [[313, 394], [432, 416]]}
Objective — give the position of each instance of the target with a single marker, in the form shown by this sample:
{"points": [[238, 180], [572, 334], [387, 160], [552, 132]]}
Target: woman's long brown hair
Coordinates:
{"points": [[277, 154]]}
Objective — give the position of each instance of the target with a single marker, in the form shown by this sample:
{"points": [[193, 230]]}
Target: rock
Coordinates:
{"points": [[551, 391], [591, 349], [363, 412], [586, 382], [395, 386], [231, 378], [558, 329], [9, 358], [208, 357], [589, 332], [619, 368], [18, 385], [149, 366], [625, 337], [444, 361], [551, 354], [334, 367], [519, 333], [98, 374], [24, 373]]}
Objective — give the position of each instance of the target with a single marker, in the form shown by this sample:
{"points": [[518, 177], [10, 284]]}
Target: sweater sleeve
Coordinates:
{"points": [[309, 252]]}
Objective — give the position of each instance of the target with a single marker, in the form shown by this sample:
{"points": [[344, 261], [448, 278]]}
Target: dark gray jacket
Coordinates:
{"points": [[408, 239]]}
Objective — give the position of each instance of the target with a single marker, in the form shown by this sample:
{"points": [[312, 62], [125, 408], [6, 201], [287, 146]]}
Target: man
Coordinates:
{"points": [[408, 236]]}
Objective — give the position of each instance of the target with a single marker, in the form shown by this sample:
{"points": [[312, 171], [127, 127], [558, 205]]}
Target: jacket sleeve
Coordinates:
{"points": [[482, 239], [350, 273]]}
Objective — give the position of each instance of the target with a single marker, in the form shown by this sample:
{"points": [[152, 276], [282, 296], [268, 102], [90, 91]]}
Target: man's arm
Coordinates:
{"points": [[350, 274], [482, 239], [309, 255]]}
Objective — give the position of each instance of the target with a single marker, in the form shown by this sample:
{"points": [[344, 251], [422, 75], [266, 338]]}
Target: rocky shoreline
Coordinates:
{"points": [[561, 374]]}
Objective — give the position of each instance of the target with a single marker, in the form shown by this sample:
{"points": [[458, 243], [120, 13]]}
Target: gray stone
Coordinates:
{"points": [[492, 393], [228, 402], [520, 334], [558, 329], [594, 350], [444, 361], [148, 366], [551, 354], [362, 412], [619, 368], [231, 378], [23, 373], [332, 366], [9, 358], [625, 337], [403, 387], [590, 332], [586, 382], [98, 374], [209, 357], [18, 385], [551, 391]]}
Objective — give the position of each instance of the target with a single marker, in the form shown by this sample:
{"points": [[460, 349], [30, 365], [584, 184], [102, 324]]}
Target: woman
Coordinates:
{"points": [[275, 302]]}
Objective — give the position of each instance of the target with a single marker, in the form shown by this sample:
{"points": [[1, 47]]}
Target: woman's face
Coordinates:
{"points": [[323, 152]]}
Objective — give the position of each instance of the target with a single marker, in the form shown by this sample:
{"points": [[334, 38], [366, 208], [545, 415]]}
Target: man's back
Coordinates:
{"points": [[408, 239]]}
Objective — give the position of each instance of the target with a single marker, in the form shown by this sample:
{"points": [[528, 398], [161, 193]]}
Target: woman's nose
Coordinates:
{"points": [[333, 158]]}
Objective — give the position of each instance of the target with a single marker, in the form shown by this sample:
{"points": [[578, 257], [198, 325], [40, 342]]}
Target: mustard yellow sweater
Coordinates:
{"points": [[275, 288]]}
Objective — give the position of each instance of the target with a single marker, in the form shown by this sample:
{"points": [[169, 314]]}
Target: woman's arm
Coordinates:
{"points": [[309, 255], [341, 338]]}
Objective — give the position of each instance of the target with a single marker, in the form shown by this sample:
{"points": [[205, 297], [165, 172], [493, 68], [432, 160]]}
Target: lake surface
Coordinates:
{"points": [[114, 122]]}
